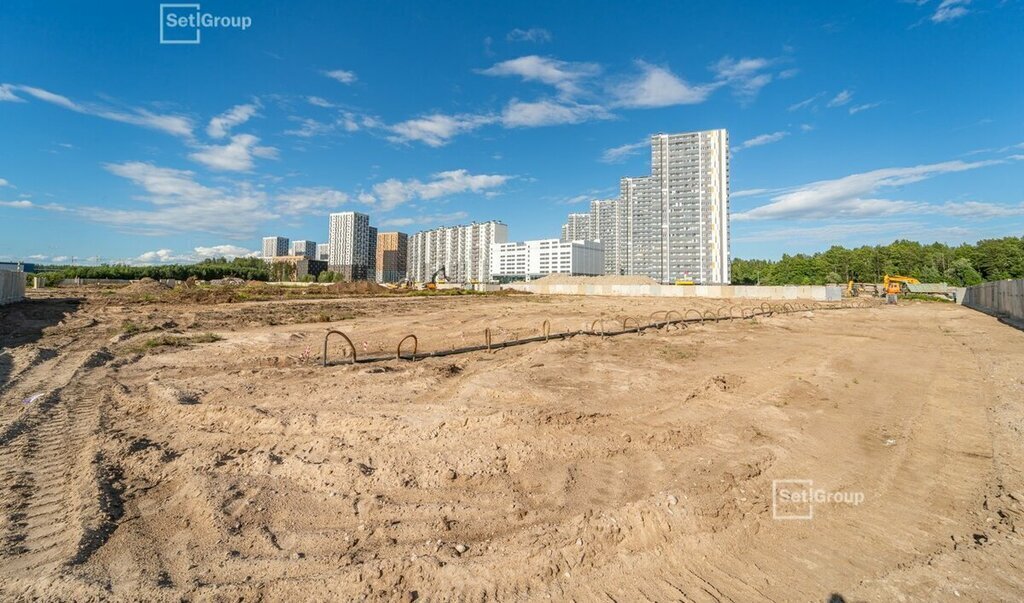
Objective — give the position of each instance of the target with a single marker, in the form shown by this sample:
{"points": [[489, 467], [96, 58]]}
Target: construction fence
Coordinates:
{"points": [[1003, 299], [12, 286]]}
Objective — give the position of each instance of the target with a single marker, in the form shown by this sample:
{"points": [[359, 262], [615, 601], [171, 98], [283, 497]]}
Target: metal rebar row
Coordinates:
{"points": [[668, 319]]}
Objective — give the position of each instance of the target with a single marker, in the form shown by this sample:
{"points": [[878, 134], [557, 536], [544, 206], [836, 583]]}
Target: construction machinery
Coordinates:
{"points": [[433, 278], [898, 283], [856, 289]]}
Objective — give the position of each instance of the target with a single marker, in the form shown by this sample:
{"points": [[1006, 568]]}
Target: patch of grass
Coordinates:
{"points": [[927, 298], [130, 328], [175, 341]]}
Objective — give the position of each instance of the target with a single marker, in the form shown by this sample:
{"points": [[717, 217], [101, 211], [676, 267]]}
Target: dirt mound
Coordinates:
{"points": [[146, 286], [565, 279], [358, 288]]}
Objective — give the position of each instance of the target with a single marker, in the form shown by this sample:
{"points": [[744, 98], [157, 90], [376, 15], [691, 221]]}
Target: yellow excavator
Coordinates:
{"points": [[434, 280], [897, 283]]}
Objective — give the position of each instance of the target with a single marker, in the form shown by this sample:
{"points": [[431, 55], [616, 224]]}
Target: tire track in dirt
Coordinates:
{"points": [[48, 450]]}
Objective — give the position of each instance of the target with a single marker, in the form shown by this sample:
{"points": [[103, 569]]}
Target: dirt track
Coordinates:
{"points": [[630, 468]]}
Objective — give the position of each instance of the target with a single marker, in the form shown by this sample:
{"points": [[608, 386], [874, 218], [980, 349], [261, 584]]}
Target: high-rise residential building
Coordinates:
{"points": [[604, 227], [463, 251], [534, 259], [674, 224], [577, 228], [306, 249], [392, 256], [349, 245], [323, 251], [275, 246], [371, 255]]}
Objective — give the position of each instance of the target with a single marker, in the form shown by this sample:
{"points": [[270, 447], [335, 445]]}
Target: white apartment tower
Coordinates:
{"points": [[323, 251], [463, 251], [275, 246], [306, 249], [577, 228], [674, 224], [604, 227], [348, 250]]}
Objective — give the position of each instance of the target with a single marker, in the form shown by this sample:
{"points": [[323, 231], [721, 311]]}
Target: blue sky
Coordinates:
{"points": [[851, 123]]}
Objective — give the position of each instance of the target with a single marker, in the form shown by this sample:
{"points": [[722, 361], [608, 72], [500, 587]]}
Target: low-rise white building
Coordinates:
{"points": [[534, 259]]}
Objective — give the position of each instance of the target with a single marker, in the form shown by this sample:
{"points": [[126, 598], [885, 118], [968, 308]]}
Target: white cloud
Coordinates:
{"points": [[309, 127], [393, 192], [310, 200], [659, 87], [7, 94], [225, 251], [864, 107], [436, 130], [761, 140], [169, 256], [617, 154], [566, 77], [979, 210], [319, 102], [221, 125], [236, 156], [841, 99], [534, 34], [519, 114], [171, 124], [832, 232], [746, 76], [425, 220], [175, 202], [750, 192], [161, 256], [949, 10], [4, 182], [853, 196], [22, 204], [340, 75], [805, 103]]}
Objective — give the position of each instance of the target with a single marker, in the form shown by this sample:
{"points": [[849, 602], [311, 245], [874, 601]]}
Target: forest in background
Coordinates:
{"points": [[963, 265]]}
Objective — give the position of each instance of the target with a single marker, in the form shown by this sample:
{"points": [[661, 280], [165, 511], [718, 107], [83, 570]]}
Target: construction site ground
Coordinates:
{"points": [[159, 450]]}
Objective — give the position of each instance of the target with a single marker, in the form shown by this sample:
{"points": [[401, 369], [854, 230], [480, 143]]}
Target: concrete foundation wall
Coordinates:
{"points": [[815, 292], [1004, 299], [12, 286]]}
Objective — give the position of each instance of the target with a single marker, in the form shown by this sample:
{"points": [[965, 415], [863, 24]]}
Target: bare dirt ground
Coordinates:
{"points": [[164, 463]]}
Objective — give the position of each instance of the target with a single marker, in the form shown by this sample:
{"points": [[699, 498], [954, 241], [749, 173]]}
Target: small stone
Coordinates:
{"points": [[461, 548], [298, 555], [452, 475], [672, 500]]}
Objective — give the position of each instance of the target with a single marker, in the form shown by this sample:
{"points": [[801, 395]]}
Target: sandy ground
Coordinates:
{"points": [[638, 467]]}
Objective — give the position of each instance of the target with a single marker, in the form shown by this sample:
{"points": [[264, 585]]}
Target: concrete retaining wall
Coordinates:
{"points": [[815, 292], [12, 286], [1004, 299]]}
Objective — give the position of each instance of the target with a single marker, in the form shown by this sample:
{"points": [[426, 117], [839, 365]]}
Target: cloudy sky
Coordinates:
{"points": [[851, 123]]}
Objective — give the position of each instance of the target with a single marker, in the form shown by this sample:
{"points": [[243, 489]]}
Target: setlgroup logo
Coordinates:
{"points": [[796, 498], [184, 23]]}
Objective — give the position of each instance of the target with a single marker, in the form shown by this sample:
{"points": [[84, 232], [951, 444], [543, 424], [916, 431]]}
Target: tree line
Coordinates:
{"points": [[250, 269], [962, 265]]}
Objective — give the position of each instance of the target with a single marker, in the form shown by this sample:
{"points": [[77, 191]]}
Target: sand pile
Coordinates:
{"points": [[564, 279], [145, 286]]}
